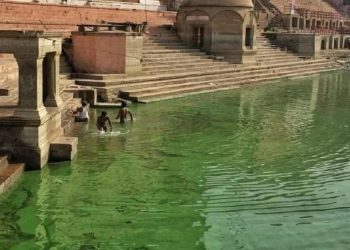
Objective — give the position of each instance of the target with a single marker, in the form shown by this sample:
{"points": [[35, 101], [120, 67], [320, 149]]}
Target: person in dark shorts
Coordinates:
{"points": [[102, 122]]}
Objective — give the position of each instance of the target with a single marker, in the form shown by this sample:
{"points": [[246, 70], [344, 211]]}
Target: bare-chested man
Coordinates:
{"points": [[123, 113], [102, 122]]}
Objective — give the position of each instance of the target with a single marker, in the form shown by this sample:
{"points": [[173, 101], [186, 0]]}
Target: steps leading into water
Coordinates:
{"points": [[9, 173], [170, 70]]}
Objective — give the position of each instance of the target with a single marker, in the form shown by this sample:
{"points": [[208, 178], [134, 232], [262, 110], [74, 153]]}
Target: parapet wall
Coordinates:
{"points": [[15, 15]]}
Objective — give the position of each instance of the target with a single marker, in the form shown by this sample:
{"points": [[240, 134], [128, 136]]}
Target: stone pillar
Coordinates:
{"points": [[53, 99], [330, 43], [30, 88]]}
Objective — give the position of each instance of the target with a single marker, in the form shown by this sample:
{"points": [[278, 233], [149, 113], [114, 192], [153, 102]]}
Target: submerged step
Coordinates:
{"points": [[9, 175]]}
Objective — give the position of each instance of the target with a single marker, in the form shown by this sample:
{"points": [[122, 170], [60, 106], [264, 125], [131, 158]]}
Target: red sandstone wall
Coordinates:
{"points": [[61, 17], [99, 54]]}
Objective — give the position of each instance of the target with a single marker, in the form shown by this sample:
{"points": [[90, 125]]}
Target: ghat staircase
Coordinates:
{"points": [[9, 173], [170, 69]]}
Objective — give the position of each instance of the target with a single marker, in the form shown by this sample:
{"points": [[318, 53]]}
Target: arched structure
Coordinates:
{"points": [[222, 27]]}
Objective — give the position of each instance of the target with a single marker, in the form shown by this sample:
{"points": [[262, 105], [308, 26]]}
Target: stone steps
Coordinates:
{"points": [[226, 86], [175, 55], [187, 65], [9, 174], [276, 56], [231, 75], [274, 61], [168, 51], [167, 59], [65, 83], [178, 70], [273, 52], [65, 68], [145, 92], [187, 75], [152, 63], [161, 43], [157, 46], [163, 40]]}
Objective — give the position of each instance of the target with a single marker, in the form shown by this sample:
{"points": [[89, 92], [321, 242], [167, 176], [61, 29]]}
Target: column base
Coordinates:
{"points": [[31, 114]]}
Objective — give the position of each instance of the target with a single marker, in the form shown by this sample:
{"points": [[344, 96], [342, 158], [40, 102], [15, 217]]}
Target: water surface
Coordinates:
{"points": [[262, 167]]}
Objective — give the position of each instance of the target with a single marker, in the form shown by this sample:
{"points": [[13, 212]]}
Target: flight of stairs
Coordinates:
{"points": [[270, 6], [9, 173], [170, 70]]}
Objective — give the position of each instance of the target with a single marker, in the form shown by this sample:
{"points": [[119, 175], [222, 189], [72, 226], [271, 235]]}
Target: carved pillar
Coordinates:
{"points": [[53, 98], [30, 105]]}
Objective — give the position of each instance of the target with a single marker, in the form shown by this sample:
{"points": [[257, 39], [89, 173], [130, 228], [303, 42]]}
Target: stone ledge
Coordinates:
{"points": [[63, 149], [9, 175]]}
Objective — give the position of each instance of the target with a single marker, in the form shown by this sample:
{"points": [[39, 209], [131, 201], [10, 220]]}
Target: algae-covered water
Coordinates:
{"points": [[264, 167]]}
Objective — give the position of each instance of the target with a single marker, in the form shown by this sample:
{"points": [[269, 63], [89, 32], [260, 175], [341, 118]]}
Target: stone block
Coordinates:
{"points": [[9, 175], [63, 149]]}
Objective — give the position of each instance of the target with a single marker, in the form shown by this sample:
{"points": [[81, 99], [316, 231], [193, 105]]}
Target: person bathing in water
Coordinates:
{"points": [[83, 113], [123, 113], [102, 122]]}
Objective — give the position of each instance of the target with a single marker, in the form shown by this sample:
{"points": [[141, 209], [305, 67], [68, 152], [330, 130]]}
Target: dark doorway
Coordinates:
{"points": [[198, 37], [307, 24], [323, 45], [45, 78], [313, 24], [248, 37], [294, 22], [49, 80], [301, 23], [318, 24], [330, 45], [347, 43], [336, 44]]}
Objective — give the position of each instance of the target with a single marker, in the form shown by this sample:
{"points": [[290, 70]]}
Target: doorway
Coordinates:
{"points": [[198, 37], [49, 80], [248, 37], [45, 79]]}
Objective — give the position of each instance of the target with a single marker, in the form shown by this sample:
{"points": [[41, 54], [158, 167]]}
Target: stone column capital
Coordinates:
{"points": [[27, 57]]}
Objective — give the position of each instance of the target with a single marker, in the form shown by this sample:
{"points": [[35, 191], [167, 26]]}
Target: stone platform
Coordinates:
{"points": [[9, 173], [63, 149]]}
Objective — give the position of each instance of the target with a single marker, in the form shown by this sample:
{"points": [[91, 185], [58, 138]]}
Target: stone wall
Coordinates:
{"points": [[303, 44], [107, 52], [310, 45], [8, 74], [16, 15]]}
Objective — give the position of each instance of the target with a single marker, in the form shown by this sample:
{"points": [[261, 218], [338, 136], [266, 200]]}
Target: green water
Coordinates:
{"points": [[257, 168]]}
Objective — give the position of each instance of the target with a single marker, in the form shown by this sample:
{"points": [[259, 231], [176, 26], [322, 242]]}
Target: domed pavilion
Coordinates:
{"points": [[221, 27]]}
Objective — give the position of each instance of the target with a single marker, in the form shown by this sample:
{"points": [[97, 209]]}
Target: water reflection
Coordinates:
{"points": [[273, 193], [260, 168]]}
